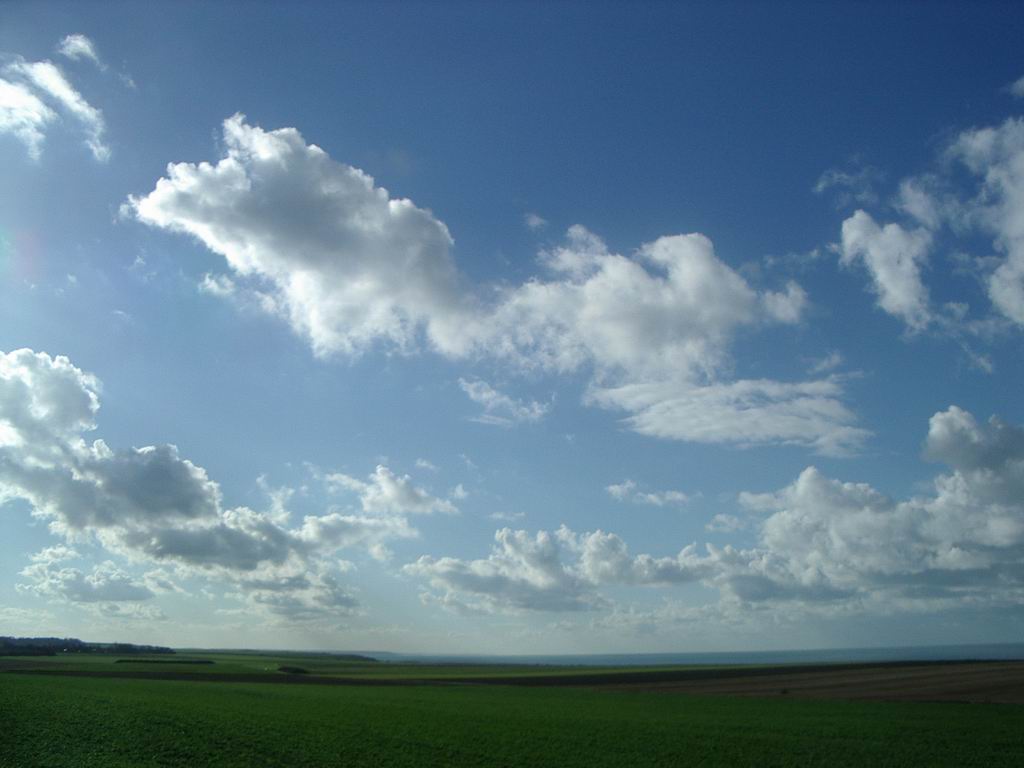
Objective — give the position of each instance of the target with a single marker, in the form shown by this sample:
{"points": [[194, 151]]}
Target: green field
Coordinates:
{"points": [[59, 720]]}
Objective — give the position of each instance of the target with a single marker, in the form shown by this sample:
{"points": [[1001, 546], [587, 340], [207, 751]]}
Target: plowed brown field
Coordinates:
{"points": [[1001, 682]]}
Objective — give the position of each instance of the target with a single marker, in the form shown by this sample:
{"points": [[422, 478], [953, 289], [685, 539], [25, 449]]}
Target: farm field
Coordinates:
{"points": [[469, 719]]}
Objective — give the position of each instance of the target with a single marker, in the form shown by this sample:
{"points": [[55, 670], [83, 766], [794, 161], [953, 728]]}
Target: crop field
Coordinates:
{"points": [[69, 711]]}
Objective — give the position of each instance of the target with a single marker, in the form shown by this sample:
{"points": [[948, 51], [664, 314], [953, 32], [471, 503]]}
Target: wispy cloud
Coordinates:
{"points": [[501, 409]]}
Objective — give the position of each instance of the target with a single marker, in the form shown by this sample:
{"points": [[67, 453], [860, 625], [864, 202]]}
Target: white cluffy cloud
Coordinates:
{"points": [[822, 544], [960, 544], [627, 490], [346, 264], [349, 267], [893, 257], [501, 409], [107, 583], [385, 493], [996, 157], [150, 505], [940, 204], [1016, 88], [34, 95], [77, 47], [546, 572]]}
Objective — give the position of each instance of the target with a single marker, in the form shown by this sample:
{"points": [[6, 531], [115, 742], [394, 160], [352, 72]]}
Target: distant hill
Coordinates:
{"points": [[333, 656], [51, 646]]}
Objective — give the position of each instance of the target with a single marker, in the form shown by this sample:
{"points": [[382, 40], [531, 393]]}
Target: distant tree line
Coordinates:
{"points": [[51, 646]]}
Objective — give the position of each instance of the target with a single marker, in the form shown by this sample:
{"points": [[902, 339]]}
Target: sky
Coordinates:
{"points": [[512, 328]]}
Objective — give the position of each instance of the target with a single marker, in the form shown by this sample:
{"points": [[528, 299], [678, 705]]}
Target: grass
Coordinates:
{"points": [[68, 721]]}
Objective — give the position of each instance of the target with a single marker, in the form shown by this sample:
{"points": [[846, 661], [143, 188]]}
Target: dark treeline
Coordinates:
{"points": [[51, 646]]}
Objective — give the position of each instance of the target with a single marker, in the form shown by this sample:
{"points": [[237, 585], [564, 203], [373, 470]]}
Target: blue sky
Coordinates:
{"points": [[533, 328]]}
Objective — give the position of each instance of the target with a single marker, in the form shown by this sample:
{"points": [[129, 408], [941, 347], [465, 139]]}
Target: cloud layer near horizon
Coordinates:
{"points": [[823, 545], [150, 505]]}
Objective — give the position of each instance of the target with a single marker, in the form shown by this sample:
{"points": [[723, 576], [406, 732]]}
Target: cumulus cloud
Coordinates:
{"points": [[627, 490], [76, 47], [943, 209], [656, 330], [547, 571], [667, 313], [893, 257], [317, 243], [151, 505], [106, 583], [34, 94], [500, 409], [996, 156], [522, 572], [347, 264], [963, 541], [385, 493], [821, 545], [1016, 88], [303, 599]]}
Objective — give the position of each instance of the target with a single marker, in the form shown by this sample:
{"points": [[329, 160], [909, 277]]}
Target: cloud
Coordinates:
{"points": [[962, 542], [76, 47], [500, 409], [894, 257], [657, 341], [628, 491], [27, 620], [347, 264], [743, 413], [947, 209], [24, 115], [547, 571], [159, 581], [1016, 88], [724, 523], [128, 612], [106, 583], [521, 573], [669, 312], [996, 157], [852, 187], [828, 363], [534, 222], [304, 600], [316, 243], [822, 545], [25, 89], [151, 505], [385, 493], [506, 517]]}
